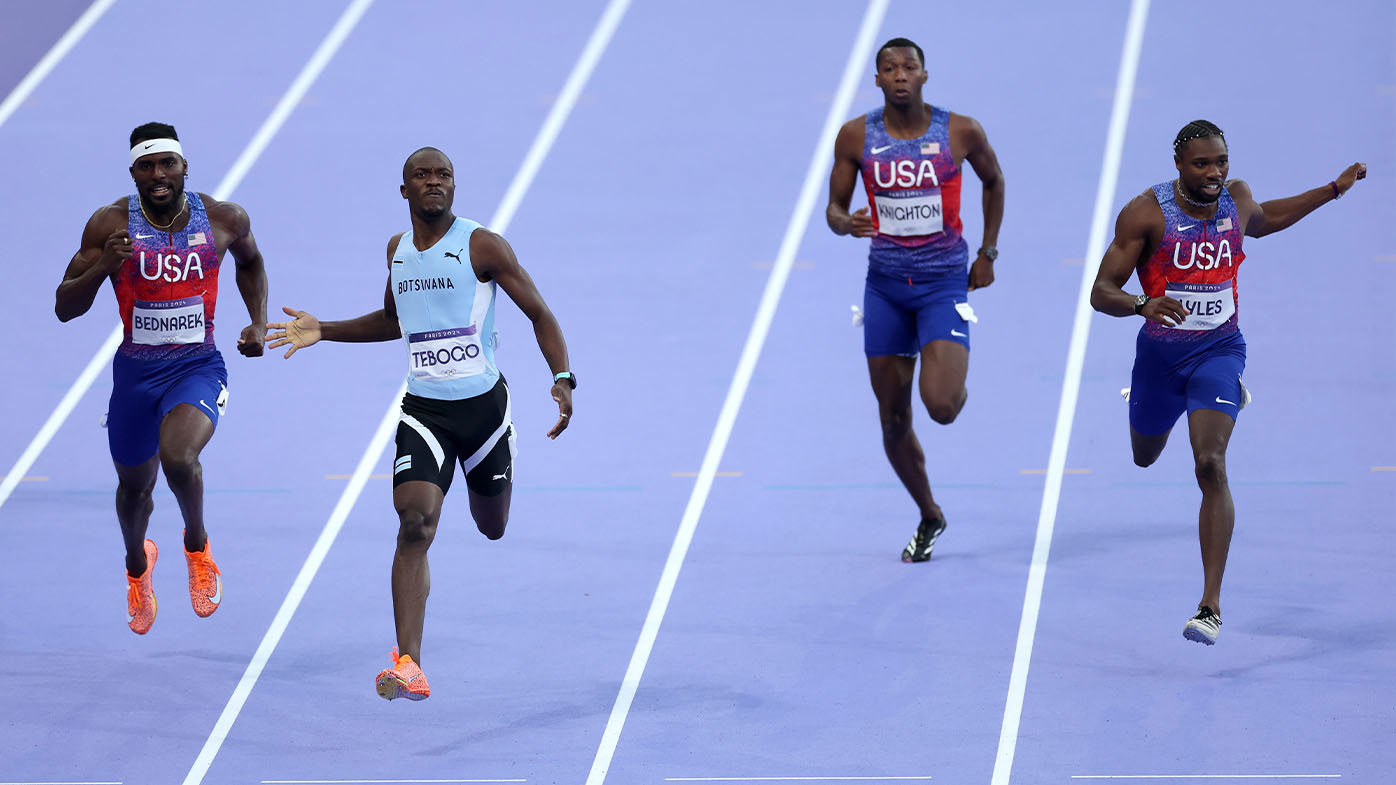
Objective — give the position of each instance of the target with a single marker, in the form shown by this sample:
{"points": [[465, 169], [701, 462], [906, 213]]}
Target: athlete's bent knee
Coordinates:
{"points": [[180, 465], [415, 528]]}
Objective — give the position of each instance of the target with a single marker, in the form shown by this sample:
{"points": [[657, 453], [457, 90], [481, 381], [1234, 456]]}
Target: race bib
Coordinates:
{"points": [[909, 213], [160, 322], [446, 354], [1209, 305]]}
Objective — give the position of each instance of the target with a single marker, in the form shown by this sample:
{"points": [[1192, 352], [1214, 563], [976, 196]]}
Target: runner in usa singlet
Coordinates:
{"points": [[1183, 239], [160, 249], [909, 155]]}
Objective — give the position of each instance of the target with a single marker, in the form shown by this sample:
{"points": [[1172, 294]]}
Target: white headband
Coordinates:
{"points": [[152, 146]]}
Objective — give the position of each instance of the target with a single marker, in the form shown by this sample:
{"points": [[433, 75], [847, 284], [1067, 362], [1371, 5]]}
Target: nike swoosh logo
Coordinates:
{"points": [[217, 596], [1185, 228], [206, 406], [152, 144], [882, 149], [1219, 400], [958, 334], [144, 236]]}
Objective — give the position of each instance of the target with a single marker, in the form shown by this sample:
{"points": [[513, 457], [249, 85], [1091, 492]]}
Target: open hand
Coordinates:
{"points": [[303, 332]]}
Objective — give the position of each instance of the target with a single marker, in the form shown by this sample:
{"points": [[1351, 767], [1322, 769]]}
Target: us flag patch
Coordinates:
{"points": [[930, 148], [1224, 225], [196, 238]]}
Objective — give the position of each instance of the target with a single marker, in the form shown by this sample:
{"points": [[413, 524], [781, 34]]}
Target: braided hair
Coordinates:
{"points": [[1197, 129]]}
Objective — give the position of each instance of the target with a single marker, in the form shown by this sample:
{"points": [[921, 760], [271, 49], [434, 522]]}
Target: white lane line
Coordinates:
{"points": [[792, 778], [60, 413], [854, 71], [365, 782], [1071, 388], [1205, 776], [581, 72], [225, 188], [50, 60]]}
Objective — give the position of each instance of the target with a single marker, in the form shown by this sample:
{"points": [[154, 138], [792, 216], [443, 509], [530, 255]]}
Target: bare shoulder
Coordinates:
{"points": [[1240, 189], [849, 142], [967, 138], [228, 215], [964, 124], [110, 217], [488, 246], [1141, 213], [393, 243], [490, 253]]}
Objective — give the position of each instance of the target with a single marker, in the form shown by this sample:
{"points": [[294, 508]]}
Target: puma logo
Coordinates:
{"points": [[455, 255]]}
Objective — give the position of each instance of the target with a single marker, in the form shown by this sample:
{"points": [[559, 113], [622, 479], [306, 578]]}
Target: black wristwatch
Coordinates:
{"points": [[990, 252], [566, 376], [1139, 303]]}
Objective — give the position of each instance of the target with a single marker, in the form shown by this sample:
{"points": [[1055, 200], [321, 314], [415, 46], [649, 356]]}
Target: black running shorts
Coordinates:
{"points": [[434, 435]]}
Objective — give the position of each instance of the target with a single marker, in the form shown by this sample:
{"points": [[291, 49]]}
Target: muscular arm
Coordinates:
{"points": [[380, 325], [848, 159], [1134, 238], [493, 259], [105, 245], [1269, 217], [251, 274], [971, 138], [968, 136]]}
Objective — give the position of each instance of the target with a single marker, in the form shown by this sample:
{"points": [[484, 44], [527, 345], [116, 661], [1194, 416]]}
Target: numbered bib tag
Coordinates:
{"points": [[160, 322], [1209, 305], [966, 312], [909, 213], [446, 354]]}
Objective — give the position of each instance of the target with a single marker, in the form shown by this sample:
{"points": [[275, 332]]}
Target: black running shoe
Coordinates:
{"points": [[924, 541], [1204, 627]]}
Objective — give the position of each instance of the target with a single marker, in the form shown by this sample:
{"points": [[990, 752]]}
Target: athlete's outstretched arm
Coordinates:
{"points": [[493, 259], [848, 160], [106, 245], [251, 276], [1124, 253], [1269, 217], [306, 330], [985, 161]]}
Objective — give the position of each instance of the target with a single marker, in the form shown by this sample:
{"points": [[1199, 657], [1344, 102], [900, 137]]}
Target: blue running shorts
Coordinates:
{"points": [[144, 391], [1172, 377], [901, 316]]}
